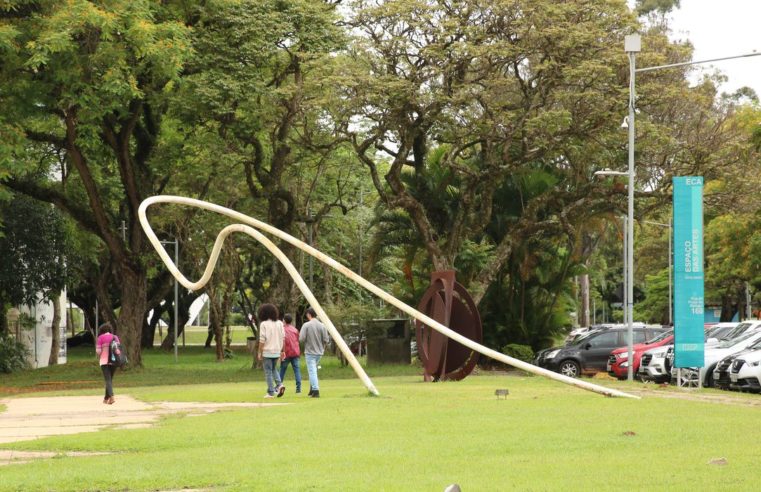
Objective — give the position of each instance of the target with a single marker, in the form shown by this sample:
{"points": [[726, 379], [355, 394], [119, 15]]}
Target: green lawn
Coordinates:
{"points": [[196, 335], [195, 364], [416, 436]]}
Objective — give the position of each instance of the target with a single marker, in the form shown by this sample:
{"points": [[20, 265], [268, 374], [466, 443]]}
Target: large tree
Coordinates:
{"points": [[88, 81], [458, 96], [258, 80]]}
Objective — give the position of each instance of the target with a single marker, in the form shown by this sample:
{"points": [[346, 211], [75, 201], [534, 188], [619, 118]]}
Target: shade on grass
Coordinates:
{"points": [[417, 436]]}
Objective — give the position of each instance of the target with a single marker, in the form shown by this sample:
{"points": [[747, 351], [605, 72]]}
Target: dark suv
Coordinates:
{"points": [[590, 352]]}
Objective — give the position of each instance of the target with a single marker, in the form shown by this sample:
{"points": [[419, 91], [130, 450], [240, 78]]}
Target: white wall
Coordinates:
{"points": [[39, 339]]}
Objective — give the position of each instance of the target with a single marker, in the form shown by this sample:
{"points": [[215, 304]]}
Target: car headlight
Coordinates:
{"points": [[552, 354], [625, 364], [622, 355]]}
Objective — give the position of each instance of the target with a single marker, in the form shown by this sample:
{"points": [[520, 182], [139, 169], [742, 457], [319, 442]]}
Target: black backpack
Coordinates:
{"points": [[116, 355]]}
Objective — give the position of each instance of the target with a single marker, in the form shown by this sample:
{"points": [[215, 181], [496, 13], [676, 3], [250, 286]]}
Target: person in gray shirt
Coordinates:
{"points": [[314, 336]]}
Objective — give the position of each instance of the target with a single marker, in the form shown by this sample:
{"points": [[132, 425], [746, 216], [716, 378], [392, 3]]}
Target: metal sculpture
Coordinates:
{"points": [[251, 230], [449, 303]]}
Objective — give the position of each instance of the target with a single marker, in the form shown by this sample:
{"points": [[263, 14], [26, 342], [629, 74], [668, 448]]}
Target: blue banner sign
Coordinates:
{"points": [[688, 272]]}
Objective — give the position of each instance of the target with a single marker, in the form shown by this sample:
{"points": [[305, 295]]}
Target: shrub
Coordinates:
{"points": [[518, 351], [13, 355]]}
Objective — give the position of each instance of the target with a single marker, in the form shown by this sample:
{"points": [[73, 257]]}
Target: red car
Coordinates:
{"points": [[618, 365]]}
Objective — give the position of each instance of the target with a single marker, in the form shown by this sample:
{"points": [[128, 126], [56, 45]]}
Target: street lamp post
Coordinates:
{"points": [[632, 46], [176, 292]]}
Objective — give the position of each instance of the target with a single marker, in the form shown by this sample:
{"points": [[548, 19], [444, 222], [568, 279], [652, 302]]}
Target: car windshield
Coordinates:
{"points": [[583, 336], [735, 341], [736, 331], [660, 337], [755, 345]]}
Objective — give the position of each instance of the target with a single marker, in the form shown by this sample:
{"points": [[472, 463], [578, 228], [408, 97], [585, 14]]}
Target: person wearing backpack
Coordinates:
{"points": [[292, 352], [102, 348]]}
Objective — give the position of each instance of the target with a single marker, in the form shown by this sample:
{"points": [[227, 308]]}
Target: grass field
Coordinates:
{"points": [[196, 335], [416, 436]]}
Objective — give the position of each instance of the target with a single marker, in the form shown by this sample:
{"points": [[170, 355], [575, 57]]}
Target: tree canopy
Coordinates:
{"points": [[402, 137]]}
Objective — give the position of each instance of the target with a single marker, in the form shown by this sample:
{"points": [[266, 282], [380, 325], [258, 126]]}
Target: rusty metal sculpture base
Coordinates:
{"points": [[449, 303]]}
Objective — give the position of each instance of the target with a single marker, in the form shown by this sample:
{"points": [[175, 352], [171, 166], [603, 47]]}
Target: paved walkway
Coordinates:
{"points": [[32, 418]]}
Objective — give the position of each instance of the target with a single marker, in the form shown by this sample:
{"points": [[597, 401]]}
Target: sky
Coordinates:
{"points": [[720, 28]]}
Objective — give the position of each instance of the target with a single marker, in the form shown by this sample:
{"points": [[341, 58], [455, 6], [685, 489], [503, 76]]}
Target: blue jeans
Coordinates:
{"points": [[271, 374], [312, 361], [295, 362]]}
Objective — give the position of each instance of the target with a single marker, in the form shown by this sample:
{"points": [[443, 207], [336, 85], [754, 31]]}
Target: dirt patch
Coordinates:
{"points": [[13, 457], [49, 386], [32, 418], [696, 395]]}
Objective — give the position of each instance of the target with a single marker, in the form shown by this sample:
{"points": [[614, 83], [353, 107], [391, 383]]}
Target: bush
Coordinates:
{"points": [[13, 355], [518, 351]]}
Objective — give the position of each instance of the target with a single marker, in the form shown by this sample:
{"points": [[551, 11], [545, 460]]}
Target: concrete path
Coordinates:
{"points": [[32, 418]]}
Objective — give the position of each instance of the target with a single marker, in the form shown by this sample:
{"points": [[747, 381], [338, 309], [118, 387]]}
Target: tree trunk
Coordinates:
{"points": [[130, 323], [56, 329], [3, 318], [69, 321], [209, 336], [148, 336], [215, 322], [727, 309], [183, 316]]}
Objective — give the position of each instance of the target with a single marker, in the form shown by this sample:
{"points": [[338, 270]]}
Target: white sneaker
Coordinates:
{"points": [[269, 396]]}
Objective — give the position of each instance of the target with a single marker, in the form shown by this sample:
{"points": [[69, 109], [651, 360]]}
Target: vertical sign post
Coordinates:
{"points": [[688, 272]]}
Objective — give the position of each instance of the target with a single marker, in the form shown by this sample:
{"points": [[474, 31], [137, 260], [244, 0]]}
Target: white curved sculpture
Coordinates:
{"points": [[251, 230]]}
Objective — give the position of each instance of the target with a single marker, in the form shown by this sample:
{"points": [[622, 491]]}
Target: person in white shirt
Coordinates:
{"points": [[271, 341]]}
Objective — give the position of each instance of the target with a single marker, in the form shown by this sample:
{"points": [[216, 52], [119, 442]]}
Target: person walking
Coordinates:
{"points": [[314, 336], [292, 352], [102, 349], [271, 340]]}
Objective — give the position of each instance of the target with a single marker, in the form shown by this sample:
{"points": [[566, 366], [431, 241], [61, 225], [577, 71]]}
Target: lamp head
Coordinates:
{"points": [[625, 123], [632, 43]]}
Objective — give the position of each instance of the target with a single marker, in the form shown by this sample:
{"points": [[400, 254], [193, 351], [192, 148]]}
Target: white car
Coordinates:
{"points": [[717, 353], [744, 327], [654, 366], [745, 371]]}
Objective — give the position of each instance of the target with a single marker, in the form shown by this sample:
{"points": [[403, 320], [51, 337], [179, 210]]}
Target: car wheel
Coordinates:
{"points": [[569, 368]]}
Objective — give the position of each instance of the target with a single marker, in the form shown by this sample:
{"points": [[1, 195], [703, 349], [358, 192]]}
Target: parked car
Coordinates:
{"points": [[84, 337], [719, 330], [655, 364], [745, 370], [590, 352], [715, 354], [721, 372], [583, 331], [738, 330], [618, 361]]}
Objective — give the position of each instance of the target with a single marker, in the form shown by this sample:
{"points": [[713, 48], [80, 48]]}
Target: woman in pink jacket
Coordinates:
{"points": [[102, 349]]}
